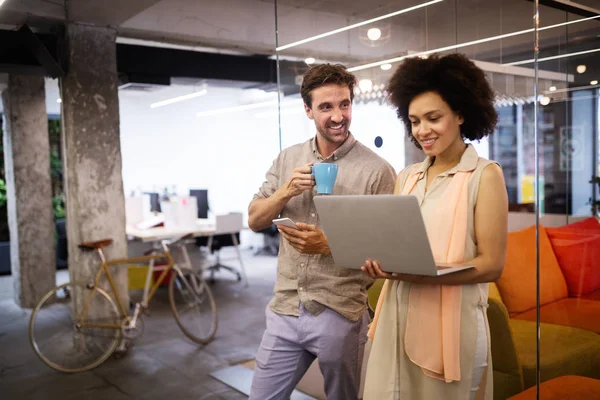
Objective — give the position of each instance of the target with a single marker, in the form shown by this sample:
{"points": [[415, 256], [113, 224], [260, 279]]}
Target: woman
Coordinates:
{"points": [[430, 337]]}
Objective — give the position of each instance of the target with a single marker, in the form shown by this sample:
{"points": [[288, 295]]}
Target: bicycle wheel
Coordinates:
{"points": [[193, 306], [60, 340]]}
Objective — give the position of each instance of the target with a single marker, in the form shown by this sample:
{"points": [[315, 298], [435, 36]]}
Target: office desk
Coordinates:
{"points": [[205, 227]]}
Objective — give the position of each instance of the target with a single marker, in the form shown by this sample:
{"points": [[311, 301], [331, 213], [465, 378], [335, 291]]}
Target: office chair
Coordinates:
{"points": [[227, 233]]}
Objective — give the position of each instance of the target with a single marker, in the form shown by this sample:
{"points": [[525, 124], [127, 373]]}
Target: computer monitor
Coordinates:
{"points": [[201, 196], [154, 201]]}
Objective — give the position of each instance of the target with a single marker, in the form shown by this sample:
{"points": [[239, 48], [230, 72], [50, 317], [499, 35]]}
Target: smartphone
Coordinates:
{"points": [[285, 222]]}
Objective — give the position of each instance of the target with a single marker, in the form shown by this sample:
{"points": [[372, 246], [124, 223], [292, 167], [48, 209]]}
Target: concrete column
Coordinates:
{"points": [[95, 203], [28, 189]]}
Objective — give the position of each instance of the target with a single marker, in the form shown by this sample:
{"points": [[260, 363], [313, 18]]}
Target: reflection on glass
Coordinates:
{"points": [[497, 35]]}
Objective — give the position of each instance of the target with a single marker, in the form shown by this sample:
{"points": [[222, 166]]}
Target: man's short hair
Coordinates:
{"points": [[325, 74]]}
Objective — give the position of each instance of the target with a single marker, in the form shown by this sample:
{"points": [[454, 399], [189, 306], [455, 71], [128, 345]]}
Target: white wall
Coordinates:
{"points": [[228, 154], [372, 120]]}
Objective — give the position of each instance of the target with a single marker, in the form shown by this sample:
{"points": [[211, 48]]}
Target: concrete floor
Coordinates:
{"points": [[161, 364]]}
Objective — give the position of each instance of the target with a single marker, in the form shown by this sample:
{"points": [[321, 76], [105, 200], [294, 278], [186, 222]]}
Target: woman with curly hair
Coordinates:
{"points": [[430, 338]]}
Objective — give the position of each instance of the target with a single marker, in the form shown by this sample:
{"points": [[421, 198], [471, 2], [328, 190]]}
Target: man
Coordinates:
{"points": [[318, 310]]}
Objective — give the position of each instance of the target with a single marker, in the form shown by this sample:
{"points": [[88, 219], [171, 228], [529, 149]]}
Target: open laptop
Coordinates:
{"points": [[387, 228]]}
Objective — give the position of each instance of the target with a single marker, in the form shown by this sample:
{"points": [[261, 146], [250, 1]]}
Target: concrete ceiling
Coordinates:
{"points": [[104, 12], [248, 26]]}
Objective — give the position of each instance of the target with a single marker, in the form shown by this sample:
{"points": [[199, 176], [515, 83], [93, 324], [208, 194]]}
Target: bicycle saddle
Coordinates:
{"points": [[95, 245]]}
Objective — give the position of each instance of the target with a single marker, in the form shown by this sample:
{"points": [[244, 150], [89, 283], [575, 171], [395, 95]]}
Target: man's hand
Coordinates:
{"points": [[300, 181], [308, 240]]}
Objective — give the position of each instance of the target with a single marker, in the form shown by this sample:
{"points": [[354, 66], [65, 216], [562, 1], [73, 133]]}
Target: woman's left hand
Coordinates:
{"points": [[372, 268]]}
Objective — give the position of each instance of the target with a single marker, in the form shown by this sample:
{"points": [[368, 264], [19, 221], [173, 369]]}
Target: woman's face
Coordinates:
{"points": [[433, 123]]}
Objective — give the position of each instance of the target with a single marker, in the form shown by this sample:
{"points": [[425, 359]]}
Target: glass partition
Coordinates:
{"points": [[546, 141], [568, 229]]}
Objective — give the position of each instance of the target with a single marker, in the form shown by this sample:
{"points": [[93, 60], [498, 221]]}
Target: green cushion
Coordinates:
{"points": [[508, 379], [564, 351], [374, 292], [506, 385]]}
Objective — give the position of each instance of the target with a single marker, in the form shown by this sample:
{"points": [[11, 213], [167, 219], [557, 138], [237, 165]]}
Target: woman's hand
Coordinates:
{"points": [[372, 268]]}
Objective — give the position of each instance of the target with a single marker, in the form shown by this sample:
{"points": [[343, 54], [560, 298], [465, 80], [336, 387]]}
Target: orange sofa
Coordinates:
{"points": [[564, 388], [569, 275], [569, 305]]}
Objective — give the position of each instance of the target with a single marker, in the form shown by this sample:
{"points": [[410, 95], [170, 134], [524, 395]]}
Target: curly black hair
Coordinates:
{"points": [[458, 81]]}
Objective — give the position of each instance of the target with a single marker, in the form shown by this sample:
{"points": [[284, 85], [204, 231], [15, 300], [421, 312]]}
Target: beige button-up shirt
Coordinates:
{"points": [[313, 279]]}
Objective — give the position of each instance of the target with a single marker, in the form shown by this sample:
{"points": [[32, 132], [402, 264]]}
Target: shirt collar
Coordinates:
{"points": [[468, 162], [339, 152]]}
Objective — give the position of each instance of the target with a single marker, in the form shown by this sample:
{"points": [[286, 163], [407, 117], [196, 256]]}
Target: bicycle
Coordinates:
{"points": [[95, 326]]}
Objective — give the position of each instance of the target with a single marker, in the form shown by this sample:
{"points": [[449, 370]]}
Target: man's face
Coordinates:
{"points": [[332, 112]]}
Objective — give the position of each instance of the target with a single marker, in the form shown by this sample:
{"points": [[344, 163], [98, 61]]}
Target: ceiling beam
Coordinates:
{"points": [[45, 50], [25, 52], [571, 7], [146, 60]]}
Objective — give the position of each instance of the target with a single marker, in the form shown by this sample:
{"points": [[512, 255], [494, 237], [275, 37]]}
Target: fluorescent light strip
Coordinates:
{"points": [[466, 44], [178, 99], [553, 57], [522, 71], [346, 28], [237, 108]]}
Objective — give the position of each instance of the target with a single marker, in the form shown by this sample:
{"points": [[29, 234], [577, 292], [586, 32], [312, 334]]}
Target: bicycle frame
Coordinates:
{"points": [[104, 269]]}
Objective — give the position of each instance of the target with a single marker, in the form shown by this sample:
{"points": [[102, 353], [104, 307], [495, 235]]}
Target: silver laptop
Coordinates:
{"points": [[388, 228]]}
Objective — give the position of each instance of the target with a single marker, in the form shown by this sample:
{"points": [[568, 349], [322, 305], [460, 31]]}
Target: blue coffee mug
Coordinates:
{"points": [[325, 174]]}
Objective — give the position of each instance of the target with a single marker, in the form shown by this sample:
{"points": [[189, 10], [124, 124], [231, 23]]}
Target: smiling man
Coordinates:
{"points": [[318, 310]]}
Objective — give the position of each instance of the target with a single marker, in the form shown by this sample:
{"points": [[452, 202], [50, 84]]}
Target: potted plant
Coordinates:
{"points": [[58, 196]]}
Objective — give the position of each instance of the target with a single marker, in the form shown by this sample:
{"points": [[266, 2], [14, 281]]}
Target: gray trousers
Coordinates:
{"points": [[290, 344]]}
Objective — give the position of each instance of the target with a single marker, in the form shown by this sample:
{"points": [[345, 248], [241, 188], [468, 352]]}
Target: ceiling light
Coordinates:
{"points": [[346, 28], [178, 99], [1, 1], [386, 67], [59, 100], [374, 33], [466, 44], [310, 60], [581, 68], [554, 57], [552, 88], [594, 82], [365, 85], [237, 108], [545, 100]]}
